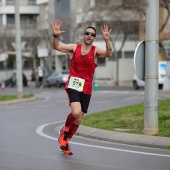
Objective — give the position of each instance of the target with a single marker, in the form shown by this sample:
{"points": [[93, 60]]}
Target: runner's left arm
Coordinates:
{"points": [[106, 35], [65, 48]]}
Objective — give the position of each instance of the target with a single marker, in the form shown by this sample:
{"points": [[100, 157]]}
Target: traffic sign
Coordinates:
{"points": [[139, 60], [168, 69]]}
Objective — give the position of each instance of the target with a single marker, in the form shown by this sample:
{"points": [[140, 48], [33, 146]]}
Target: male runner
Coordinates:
{"points": [[79, 84]]}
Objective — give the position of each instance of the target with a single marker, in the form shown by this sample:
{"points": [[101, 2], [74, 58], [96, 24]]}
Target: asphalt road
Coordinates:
{"points": [[28, 140]]}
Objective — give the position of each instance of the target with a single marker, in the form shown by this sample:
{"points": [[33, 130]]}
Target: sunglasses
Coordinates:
{"points": [[89, 33]]}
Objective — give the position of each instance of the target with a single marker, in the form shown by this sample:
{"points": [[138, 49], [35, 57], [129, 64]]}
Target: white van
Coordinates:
{"points": [[137, 83]]}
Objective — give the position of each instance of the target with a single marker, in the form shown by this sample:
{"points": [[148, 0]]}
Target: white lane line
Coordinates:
{"points": [[110, 91], [39, 131], [44, 99], [121, 92]]}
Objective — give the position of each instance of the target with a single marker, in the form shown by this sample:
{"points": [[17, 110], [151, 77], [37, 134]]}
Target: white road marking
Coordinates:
{"points": [[121, 92], [39, 131]]}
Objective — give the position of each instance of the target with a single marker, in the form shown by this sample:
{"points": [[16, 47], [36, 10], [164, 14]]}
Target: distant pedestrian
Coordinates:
{"points": [[79, 84], [40, 75], [33, 76]]}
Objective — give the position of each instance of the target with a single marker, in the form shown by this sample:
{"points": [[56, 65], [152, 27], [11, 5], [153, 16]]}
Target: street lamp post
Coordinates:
{"points": [[151, 68], [18, 50]]}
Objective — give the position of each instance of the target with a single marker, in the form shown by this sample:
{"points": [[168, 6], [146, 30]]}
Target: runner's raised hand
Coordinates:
{"points": [[56, 27], [106, 32]]}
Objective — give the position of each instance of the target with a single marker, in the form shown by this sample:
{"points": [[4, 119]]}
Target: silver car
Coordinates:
{"points": [[57, 78]]}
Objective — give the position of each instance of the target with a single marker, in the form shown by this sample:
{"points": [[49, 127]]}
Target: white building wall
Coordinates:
{"points": [[23, 10], [108, 72], [38, 2], [126, 67], [105, 72]]}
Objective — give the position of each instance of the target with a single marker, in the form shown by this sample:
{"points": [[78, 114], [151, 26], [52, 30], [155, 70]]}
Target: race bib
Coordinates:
{"points": [[76, 83]]}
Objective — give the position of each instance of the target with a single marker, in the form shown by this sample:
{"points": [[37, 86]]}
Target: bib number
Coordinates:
{"points": [[76, 83]]}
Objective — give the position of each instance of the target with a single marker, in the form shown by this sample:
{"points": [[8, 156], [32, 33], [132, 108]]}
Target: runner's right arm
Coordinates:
{"points": [[65, 48]]}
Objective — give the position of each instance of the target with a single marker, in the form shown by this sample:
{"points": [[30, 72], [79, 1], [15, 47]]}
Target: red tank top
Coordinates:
{"points": [[83, 66]]}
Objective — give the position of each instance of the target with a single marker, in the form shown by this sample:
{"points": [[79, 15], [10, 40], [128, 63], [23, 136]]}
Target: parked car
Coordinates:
{"points": [[137, 83], [12, 80], [57, 78]]}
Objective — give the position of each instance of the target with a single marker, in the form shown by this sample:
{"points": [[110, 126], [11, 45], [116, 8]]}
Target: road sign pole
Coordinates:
{"points": [[18, 50], [151, 68]]}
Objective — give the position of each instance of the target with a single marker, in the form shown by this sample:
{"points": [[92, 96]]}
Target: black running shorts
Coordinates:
{"points": [[75, 96]]}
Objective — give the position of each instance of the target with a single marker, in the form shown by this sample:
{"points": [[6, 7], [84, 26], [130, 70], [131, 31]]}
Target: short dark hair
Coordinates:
{"points": [[91, 28]]}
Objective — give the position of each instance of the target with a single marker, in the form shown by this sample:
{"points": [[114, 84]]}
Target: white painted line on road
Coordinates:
{"points": [[111, 91], [121, 92], [101, 102], [45, 99], [39, 131]]}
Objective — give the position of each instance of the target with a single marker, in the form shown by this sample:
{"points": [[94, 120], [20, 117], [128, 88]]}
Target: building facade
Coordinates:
{"points": [[96, 13], [29, 12], [126, 18]]}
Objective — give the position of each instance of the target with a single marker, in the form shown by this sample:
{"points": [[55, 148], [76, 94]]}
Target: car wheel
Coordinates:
{"points": [[160, 86], [58, 84], [135, 85], [25, 84], [48, 85]]}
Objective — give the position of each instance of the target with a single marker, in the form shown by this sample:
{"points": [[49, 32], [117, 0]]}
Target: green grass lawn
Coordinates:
{"points": [[13, 97], [129, 119]]}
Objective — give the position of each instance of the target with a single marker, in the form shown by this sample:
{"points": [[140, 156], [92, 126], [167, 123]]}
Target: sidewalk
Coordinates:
{"points": [[120, 137]]}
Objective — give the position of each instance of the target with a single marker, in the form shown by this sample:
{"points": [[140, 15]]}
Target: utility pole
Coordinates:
{"points": [[18, 50], [151, 68]]}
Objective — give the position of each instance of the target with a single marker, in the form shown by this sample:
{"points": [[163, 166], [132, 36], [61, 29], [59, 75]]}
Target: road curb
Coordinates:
{"points": [[121, 137], [17, 101]]}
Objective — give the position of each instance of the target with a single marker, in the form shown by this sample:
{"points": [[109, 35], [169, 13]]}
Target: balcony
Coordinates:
{"points": [[120, 37], [22, 3], [26, 31]]}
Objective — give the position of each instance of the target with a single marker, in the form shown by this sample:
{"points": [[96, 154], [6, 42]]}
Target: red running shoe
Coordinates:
{"points": [[62, 140], [66, 150]]}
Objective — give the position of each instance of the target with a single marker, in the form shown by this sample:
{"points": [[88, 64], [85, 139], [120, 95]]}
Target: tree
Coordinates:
{"points": [[121, 16], [126, 18]]}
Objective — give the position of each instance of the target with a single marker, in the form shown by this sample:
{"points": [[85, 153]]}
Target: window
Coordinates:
{"points": [[129, 54], [10, 19], [120, 29], [11, 64], [113, 58], [28, 62], [1, 66], [62, 7], [108, 2], [102, 2], [167, 51], [27, 20], [10, 2], [101, 61], [31, 2]]}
